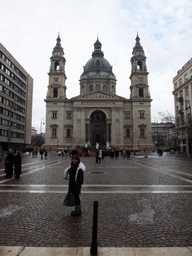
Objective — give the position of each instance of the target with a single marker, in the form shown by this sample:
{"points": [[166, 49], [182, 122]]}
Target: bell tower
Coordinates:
{"points": [[139, 75], [57, 77], [140, 99]]}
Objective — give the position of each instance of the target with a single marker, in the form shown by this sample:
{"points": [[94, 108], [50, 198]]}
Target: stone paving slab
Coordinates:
{"points": [[124, 220], [102, 251]]}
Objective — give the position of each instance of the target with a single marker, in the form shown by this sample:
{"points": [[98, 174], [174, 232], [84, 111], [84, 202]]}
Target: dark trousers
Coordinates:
{"points": [[76, 196]]}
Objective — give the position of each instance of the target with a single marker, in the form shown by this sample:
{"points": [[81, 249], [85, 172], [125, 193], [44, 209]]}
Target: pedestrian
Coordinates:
{"points": [[88, 153], [97, 155], [75, 174], [100, 156], [41, 153], [116, 153], [36, 152], [9, 160], [59, 153], [17, 165], [124, 153], [128, 153], [46, 153], [112, 154]]}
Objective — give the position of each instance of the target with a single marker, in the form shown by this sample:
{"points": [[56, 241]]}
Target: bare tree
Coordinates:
{"points": [[166, 117]]}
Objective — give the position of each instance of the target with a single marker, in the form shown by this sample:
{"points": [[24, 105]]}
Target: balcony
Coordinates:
{"points": [[181, 112], [180, 99]]}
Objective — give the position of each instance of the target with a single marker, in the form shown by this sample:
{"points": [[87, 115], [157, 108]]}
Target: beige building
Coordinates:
{"points": [[98, 114], [182, 92], [16, 92]]}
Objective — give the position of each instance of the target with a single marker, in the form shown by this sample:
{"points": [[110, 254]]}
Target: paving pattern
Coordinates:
{"points": [[143, 202]]}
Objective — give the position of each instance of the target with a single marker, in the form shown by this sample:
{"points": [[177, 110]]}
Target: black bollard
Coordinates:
{"points": [[94, 231]]}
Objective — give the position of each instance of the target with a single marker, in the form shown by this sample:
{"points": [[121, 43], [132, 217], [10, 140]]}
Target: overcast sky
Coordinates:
{"points": [[29, 30]]}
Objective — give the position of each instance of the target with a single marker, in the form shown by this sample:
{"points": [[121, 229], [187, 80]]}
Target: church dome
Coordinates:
{"points": [[97, 62], [58, 48]]}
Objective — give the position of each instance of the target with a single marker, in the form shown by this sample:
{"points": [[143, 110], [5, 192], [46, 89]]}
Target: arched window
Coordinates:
{"points": [[91, 88], [54, 133], [68, 133], [97, 87], [140, 92], [56, 65], [55, 93], [104, 88], [127, 133], [142, 132], [139, 65]]}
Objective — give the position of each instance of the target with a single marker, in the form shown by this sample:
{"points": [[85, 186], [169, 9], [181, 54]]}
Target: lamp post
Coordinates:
{"points": [[157, 144], [42, 123]]}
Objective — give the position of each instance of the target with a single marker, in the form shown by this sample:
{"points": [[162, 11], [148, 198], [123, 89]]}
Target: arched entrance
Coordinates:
{"points": [[98, 128]]}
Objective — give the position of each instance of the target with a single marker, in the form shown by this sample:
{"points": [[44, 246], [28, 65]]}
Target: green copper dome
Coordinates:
{"points": [[97, 62]]}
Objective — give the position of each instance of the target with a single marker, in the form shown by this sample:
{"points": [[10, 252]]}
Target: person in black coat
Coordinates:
{"points": [[9, 160], [75, 174], [17, 165]]}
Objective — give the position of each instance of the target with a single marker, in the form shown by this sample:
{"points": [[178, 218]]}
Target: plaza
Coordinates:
{"points": [[144, 207]]}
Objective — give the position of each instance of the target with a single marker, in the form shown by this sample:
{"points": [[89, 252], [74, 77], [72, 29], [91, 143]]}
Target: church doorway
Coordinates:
{"points": [[98, 128]]}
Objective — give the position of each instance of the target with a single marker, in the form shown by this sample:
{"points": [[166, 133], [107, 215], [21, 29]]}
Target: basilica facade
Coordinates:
{"points": [[98, 114]]}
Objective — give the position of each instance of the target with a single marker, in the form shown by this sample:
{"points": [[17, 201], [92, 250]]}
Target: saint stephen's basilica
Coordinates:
{"points": [[98, 114]]}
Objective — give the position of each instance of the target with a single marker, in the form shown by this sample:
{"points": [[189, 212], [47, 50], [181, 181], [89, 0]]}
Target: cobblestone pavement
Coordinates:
{"points": [[143, 202]]}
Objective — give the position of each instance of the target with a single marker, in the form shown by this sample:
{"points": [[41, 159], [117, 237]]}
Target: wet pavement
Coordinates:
{"points": [[143, 202]]}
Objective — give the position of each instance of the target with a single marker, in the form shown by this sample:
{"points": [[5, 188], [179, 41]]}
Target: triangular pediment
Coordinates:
{"points": [[98, 95]]}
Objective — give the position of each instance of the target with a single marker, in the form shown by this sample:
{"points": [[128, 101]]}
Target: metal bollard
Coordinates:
{"points": [[94, 231]]}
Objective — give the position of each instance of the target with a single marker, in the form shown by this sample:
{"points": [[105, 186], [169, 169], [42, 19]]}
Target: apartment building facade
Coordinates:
{"points": [[16, 95], [182, 92]]}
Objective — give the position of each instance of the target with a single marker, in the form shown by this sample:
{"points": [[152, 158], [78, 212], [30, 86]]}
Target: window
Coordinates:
{"points": [[56, 65], [55, 93], [68, 133], [142, 132], [127, 115], [139, 65], [140, 92], [176, 85], [141, 115], [54, 133], [127, 133], [97, 87], [69, 115], [186, 77], [104, 88], [91, 88], [54, 115], [187, 90], [180, 81]]}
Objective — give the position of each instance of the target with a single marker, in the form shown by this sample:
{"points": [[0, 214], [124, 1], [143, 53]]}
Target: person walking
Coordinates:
{"points": [[75, 174], [46, 153], [17, 165], [116, 153], [100, 156], [9, 160]]}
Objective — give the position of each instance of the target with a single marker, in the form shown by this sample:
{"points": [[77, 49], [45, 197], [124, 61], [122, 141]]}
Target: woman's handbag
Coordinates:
{"points": [[69, 199]]}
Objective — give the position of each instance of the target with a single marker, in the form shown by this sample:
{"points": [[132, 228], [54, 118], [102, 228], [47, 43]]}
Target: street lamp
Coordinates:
{"points": [[42, 123], [157, 144]]}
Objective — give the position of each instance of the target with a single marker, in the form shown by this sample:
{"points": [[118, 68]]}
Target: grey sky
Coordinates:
{"points": [[29, 30]]}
